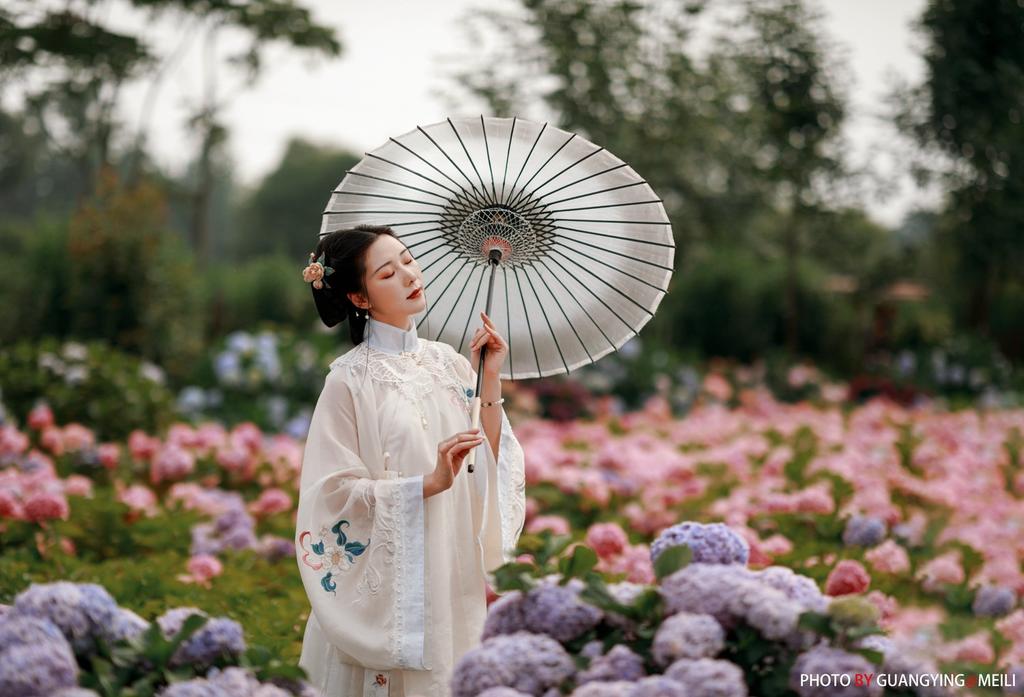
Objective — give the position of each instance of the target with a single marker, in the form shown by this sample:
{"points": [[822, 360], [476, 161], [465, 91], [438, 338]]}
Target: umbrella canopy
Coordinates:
{"points": [[586, 246]]}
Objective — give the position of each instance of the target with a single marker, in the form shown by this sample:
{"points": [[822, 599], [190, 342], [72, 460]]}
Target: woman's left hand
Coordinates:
{"points": [[497, 349]]}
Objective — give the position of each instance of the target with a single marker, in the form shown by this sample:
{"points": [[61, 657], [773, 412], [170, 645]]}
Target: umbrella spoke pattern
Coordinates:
{"points": [[586, 246]]}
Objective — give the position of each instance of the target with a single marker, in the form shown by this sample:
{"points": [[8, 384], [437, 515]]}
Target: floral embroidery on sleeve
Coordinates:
{"points": [[337, 554]]}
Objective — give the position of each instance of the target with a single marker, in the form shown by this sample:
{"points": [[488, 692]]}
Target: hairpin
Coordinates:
{"points": [[315, 272]]}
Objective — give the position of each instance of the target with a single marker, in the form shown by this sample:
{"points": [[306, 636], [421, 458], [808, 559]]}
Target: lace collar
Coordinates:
{"points": [[390, 339]]}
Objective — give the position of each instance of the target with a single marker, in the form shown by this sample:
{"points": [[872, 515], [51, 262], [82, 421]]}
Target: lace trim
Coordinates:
{"points": [[511, 487], [414, 374]]}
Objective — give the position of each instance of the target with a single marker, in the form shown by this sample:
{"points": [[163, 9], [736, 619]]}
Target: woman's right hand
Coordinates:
{"points": [[450, 454]]}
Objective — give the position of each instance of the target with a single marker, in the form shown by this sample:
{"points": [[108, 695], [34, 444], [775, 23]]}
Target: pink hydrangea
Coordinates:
{"points": [[248, 435], [77, 437], [889, 558], [1012, 626], [976, 648], [237, 459], [46, 505], [271, 501], [139, 498], [77, 485], [717, 386], [109, 454], [40, 418], [12, 441], [10, 506], [202, 568], [171, 463], [142, 446], [607, 539], [555, 523], [52, 440], [942, 570], [635, 562], [847, 577]]}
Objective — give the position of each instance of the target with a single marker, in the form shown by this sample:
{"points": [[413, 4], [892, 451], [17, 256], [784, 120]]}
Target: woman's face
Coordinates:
{"points": [[392, 274]]}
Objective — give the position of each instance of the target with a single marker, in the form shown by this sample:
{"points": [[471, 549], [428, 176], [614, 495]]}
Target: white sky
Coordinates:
{"points": [[386, 82]]}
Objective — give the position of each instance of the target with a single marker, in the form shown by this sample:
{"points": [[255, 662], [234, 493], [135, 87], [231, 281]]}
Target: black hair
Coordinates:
{"points": [[345, 252]]}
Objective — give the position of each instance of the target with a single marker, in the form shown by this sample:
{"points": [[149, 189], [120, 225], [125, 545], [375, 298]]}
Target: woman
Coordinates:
{"points": [[393, 542]]}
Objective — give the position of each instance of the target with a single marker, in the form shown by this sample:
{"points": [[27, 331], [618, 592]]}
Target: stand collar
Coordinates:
{"points": [[389, 338]]}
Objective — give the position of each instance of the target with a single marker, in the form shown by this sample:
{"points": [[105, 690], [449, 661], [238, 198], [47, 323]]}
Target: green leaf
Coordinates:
{"points": [[817, 622], [672, 560], [583, 559]]}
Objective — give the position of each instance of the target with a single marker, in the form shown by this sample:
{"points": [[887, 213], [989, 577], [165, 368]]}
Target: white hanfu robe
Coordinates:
{"points": [[396, 582]]}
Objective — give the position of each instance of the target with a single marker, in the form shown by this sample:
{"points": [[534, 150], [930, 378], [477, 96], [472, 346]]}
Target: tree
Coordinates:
{"points": [[966, 115], [73, 64]]}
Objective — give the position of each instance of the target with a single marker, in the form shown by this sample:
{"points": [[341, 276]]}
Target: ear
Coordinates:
{"points": [[359, 300]]}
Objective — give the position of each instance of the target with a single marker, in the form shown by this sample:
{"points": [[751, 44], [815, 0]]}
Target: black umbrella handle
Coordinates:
{"points": [[494, 258]]}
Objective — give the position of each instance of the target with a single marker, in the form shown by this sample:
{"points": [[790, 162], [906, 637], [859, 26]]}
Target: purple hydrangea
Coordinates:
{"points": [[219, 636], [1016, 676], [897, 662], [864, 531], [768, 611], [124, 625], [625, 593], [713, 543], [38, 669], [658, 686], [708, 677], [592, 649], [268, 690], [993, 601], [687, 635], [823, 661], [796, 586], [274, 547], [620, 688], [76, 692], [620, 663], [505, 615], [79, 610], [502, 692], [530, 663], [196, 687], [237, 682], [20, 631], [704, 589], [558, 612]]}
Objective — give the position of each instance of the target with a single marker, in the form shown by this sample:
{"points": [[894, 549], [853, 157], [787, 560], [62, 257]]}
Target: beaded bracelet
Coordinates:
{"points": [[491, 404]]}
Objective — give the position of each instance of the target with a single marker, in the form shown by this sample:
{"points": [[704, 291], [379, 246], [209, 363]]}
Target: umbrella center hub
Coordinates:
{"points": [[497, 227]]}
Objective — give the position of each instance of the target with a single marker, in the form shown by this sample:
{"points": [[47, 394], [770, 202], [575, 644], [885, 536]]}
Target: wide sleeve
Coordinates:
{"points": [[505, 512], [359, 541]]}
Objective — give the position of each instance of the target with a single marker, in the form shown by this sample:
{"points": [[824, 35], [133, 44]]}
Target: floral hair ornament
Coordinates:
{"points": [[315, 272]]}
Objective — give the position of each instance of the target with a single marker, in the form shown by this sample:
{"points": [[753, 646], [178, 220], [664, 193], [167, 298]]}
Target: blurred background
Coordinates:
{"points": [[845, 181]]}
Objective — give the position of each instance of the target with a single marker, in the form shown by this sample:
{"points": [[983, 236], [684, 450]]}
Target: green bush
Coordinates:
{"points": [[107, 390], [266, 289]]}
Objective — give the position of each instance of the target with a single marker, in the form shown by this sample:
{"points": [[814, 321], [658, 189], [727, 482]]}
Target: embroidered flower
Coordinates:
{"points": [[336, 553], [316, 271]]}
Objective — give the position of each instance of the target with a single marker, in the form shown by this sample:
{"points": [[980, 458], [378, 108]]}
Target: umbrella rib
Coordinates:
{"points": [[434, 167], [582, 309], [504, 180], [547, 321], [605, 234], [441, 294], [594, 193], [457, 298], [607, 205], [418, 174], [454, 259], [528, 156], [443, 243], [449, 158], [596, 297], [391, 181], [540, 198], [483, 187], [606, 282], [508, 309], [469, 317], [616, 222], [529, 327], [393, 198], [522, 193], [563, 171], [612, 251], [613, 268], [490, 167]]}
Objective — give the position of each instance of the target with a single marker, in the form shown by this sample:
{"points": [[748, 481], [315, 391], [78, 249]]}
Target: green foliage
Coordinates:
{"points": [[282, 216], [93, 384], [266, 289], [131, 281]]}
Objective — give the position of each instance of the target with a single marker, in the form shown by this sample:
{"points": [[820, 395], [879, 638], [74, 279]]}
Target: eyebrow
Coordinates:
{"points": [[391, 262]]}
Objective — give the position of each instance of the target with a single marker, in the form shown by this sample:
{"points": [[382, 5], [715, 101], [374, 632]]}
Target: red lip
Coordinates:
{"points": [[415, 294]]}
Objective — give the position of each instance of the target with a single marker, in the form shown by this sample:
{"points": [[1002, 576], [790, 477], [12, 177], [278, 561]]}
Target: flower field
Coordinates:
{"points": [[722, 553]]}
